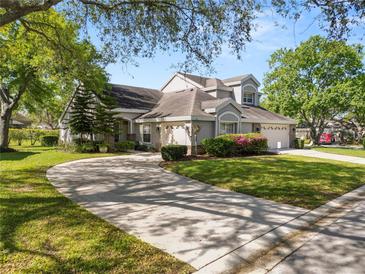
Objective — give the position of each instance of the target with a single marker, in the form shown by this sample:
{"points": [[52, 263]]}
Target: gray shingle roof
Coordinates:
{"points": [[213, 103], [135, 97], [236, 78], [259, 114], [205, 81], [195, 78], [180, 103]]}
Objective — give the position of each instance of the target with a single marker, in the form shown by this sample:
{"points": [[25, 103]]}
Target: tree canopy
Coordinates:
{"points": [[316, 82], [41, 61], [197, 29]]}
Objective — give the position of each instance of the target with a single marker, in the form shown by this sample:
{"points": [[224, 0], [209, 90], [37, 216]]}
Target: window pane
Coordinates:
{"points": [[147, 138], [228, 128]]}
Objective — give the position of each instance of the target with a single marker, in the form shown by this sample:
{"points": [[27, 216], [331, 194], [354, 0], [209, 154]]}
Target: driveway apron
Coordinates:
{"points": [[195, 222]]}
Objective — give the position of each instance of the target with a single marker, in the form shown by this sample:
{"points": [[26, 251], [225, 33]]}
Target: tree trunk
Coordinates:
{"points": [[4, 127], [316, 134]]}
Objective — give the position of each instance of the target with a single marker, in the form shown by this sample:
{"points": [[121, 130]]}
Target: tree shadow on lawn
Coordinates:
{"points": [[41, 230], [306, 183], [16, 156]]}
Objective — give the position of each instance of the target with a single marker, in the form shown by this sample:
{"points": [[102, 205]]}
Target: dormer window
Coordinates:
{"points": [[249, 98], [249, 93]]}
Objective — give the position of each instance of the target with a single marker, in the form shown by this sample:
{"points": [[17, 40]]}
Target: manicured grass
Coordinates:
{"points": [[300, 181], [342, 151], [41, 231]]}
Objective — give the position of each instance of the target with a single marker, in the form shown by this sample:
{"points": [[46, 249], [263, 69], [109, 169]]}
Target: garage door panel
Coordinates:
{"points": [[277, 135]]}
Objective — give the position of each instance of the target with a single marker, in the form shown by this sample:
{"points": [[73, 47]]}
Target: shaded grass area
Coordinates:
{"points": [[300, 181], [342, 151], [41, 231]]}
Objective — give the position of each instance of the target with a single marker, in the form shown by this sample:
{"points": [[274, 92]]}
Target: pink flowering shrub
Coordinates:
{"points": [[251, 143]]}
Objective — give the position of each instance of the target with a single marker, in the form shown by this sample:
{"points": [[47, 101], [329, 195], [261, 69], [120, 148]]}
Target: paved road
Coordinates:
{"points": [[195, 222], [323, 155], [339, 248]]}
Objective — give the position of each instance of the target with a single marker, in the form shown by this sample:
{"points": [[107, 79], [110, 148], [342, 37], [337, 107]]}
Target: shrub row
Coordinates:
{"points": [[30, 134], [173, 152], [235, 145], [124, 146]]}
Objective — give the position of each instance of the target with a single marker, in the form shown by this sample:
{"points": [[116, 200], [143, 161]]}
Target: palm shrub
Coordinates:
{"points": [[173, 152]]}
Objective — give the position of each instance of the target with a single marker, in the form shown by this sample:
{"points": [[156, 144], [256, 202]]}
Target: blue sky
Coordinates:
{"points": [[272, 32]]}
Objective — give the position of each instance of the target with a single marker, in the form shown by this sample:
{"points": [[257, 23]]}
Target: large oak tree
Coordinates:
{"points": [[41, 61], [197, 29], [316, 82]]}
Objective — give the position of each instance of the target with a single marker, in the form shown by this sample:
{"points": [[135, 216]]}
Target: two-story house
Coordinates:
{"points": [[189, 108]]}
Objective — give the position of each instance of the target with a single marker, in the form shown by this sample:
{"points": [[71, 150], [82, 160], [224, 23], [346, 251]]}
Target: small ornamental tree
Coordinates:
{"points": [[82, 113], [104, 121]]}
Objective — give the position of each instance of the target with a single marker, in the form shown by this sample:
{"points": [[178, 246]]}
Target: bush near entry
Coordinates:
{"points": [[173, 152], [236, 145], [124, 146]]}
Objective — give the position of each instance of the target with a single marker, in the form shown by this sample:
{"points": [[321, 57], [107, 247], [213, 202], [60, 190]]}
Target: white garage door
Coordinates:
{"points": [[277, 135]]}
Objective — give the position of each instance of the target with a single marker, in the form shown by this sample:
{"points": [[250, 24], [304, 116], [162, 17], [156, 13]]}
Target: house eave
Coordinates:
{"points": [[175, 119], [263, 121], [130, 110]]}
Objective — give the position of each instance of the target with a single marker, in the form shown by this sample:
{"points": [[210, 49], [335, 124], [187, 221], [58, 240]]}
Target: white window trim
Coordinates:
{"points": [[254, 94], [227, 123], [143, 141], [219, 120]]}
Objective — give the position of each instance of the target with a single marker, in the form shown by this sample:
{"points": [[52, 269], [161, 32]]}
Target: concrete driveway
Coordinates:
{"points": [[339, 248], [198, 223]]}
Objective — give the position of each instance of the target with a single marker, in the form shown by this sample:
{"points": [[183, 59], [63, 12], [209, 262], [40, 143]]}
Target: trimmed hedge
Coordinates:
{"points": [[31, 134], [173, 152], [235, 145], [218, 147], [124, 146], [49, 140]]}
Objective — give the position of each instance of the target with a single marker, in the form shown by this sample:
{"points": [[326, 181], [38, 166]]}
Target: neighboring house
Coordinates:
{"points": [[19, 121], [189, 108]]}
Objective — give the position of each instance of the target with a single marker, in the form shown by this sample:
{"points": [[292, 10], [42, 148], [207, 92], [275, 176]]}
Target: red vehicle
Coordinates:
{"points": [[326, 138]]}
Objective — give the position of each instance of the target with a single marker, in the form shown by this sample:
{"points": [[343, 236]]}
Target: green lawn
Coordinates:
{"points": [[300, 181], [342, 151], [41, 231]]}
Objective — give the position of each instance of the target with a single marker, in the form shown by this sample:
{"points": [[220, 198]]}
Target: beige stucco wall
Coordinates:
{"points": [[237, 90], [246, 127], [207, 130], [176, 84]]}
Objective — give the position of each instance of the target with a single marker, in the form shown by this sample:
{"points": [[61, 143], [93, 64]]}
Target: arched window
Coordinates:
{"points": [[228, 123]]}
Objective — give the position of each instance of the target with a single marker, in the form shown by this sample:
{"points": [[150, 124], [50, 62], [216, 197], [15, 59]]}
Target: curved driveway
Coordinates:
{"points": [[195, 222]]}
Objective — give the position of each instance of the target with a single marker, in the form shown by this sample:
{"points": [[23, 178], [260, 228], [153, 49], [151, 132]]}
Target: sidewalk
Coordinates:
{"points": [[331, 240], [322, 155]]}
